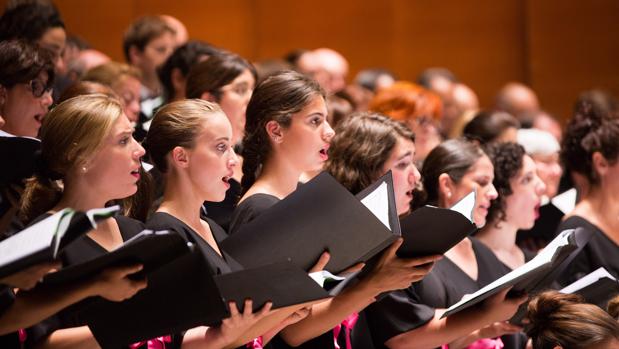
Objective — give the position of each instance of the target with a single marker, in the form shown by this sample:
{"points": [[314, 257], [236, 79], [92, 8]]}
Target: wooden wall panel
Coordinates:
{"points": [[359, 29], [574, 46], [560, 47], [480, 41]]}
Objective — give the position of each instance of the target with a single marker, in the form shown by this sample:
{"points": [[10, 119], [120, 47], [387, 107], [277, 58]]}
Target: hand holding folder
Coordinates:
{"points": [[43, 241], [534, 275], [183, 294]]}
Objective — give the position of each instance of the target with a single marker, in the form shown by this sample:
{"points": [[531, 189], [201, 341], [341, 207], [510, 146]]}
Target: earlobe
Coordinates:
{"points": [[207, 96], [445, 187], [178, 80], [134, 55]]}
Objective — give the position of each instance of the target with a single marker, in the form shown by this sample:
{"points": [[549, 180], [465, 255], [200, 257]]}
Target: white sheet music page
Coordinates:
{"points": [[545, 257], [587, 280], [378, 203], [31, 240], [466, 205]]}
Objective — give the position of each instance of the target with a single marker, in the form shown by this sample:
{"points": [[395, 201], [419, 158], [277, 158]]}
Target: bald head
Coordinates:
{"points": [[85, 60], [517, 99], [327, 66], [180, 31], [459, 100]]}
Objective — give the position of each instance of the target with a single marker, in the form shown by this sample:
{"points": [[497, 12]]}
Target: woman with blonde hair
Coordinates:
{"points": [[88, 158]]}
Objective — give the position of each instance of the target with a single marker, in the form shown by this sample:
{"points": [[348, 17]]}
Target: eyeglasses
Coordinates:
{"points": [[39, 88]]}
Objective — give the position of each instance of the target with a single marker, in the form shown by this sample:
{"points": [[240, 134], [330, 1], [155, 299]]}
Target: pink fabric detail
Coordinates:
{"points": [[155, 343], [255, 344], [22, 335], [485, 343], [348, 324]]}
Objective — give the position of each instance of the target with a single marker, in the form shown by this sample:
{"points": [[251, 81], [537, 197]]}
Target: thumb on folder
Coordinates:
{"points": [[501, 307]]}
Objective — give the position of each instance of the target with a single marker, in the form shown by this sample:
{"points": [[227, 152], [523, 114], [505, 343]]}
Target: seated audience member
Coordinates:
{"points": [[492, 127], [417, 107], [173, 73], [147, 43], [591, 150], [287, 134], [563, 321], [516, 206]]}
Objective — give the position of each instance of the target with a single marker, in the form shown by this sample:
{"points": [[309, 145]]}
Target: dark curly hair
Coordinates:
{"points": [[590, 130], [507, 159]]}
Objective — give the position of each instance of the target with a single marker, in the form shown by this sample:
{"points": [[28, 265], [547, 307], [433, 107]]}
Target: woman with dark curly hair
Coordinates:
{"points": [[590, 150], [562, 321], [517, 205]]}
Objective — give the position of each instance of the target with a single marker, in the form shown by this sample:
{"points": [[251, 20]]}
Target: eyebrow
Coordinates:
{"points": [[315, 114], [222, 139], [408, 153]]}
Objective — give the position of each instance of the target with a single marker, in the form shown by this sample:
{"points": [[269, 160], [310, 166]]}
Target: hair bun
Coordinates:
{"points": [[541, 309]]}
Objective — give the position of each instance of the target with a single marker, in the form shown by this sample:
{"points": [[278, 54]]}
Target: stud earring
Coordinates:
{"points": [[84, 169]]}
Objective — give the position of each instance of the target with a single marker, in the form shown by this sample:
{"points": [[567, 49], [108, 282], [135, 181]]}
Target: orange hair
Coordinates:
{"points": [[405, 101]]}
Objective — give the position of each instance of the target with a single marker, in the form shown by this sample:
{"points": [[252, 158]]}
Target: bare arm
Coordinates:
{"points": [[441, 331], [391, 273], [34, 306]]}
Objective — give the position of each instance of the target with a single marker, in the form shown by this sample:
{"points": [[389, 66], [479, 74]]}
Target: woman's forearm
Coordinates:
{"points": [[326, 315]]}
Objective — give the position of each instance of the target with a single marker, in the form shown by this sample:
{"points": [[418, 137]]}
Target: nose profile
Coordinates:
{"points": [[328, 132]]}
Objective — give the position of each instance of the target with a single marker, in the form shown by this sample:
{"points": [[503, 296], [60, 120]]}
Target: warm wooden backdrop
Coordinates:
{"points": [[560, 47]]}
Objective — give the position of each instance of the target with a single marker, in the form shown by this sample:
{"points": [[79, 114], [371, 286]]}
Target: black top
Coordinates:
{"points": [[249, 209], [7, 297], [219, 265], [81, 250], [404, 310], [601, 251], [246, 211], [221, 212]]}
